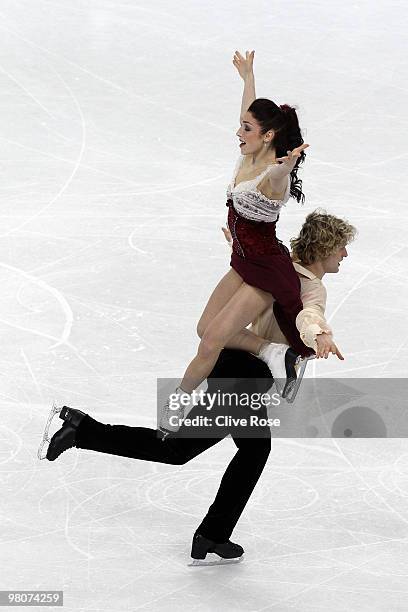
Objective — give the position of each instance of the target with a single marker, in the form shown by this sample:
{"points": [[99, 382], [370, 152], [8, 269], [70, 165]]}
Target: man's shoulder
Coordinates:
{"points": [[302, 271], [307, 274], [312, 287]]}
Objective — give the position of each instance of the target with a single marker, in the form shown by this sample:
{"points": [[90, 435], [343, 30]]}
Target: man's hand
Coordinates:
{"points": [[325, 345]]}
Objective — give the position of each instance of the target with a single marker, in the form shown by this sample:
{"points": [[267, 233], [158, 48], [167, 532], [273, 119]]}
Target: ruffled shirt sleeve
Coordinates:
{"points": [[311, 320]]}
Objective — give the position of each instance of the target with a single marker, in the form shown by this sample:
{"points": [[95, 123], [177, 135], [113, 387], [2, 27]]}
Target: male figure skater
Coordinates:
{"points": [[318, 250]]}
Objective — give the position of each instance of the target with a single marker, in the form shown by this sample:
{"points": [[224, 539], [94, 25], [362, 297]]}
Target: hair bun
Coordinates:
{"points": [[285, 108]]}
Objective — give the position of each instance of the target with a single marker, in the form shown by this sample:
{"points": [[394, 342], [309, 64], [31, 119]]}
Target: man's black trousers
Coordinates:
{"points": [[244, 469]]}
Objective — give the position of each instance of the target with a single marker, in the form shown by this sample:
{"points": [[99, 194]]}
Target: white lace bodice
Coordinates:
{"points": [[251, 203]]}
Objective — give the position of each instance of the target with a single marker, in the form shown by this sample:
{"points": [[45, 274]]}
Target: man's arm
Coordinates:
{"points": [[311, 320], [313, 328]]}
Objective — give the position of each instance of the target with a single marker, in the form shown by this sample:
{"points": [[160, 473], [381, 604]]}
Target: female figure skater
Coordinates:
{"points": [[265, 177]]}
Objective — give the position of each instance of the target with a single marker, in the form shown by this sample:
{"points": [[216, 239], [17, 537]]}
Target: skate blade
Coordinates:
{"points": [[280, 384], [285, 383], [41, 454], [293, 386], [166, 433], [284, 387], [214, 559]]}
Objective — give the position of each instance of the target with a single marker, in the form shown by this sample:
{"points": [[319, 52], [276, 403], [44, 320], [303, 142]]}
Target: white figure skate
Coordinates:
{"points": [[46, 439], [172, 416]]}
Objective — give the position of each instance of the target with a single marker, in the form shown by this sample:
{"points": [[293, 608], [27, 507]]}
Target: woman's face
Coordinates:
{"points": [[250, 133]]}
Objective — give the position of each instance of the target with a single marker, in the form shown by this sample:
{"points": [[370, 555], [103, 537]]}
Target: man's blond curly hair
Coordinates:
{"points": [[320, 236]]}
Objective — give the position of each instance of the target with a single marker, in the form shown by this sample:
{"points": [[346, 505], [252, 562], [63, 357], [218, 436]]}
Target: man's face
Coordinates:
{"points": [[332, 262]]}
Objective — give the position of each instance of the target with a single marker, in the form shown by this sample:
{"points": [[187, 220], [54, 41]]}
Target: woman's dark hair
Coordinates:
{"points": [[284, 122]]}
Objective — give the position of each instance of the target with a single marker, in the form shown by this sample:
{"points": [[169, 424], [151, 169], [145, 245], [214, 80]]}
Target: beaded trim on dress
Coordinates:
{"points": [[251, 203]]}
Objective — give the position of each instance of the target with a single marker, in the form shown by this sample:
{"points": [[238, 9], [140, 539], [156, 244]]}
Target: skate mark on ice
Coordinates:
{"points": [[59, 298], [74, 171]]}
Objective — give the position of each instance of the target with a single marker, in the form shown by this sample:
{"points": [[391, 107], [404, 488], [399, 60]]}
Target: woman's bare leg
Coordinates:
{"points": [[240, 310], [228, 285], [244, 340]]}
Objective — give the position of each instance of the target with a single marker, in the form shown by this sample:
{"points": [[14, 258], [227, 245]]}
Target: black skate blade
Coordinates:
{"points": [[214, 559]]}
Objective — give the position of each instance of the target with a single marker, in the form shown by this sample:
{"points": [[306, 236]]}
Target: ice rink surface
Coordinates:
{"points": [[118, 124]]}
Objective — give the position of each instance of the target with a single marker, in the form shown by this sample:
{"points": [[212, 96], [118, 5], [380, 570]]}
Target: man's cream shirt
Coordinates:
{"points": [[310, 321]]}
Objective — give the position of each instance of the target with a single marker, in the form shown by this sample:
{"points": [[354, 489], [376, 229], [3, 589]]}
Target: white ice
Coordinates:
{"points": [[117, 139]]}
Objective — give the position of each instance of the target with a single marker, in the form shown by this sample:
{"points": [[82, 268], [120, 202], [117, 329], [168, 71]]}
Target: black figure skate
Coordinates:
{"points": [[64, 438], [292, 386], [223, 553], [287, 368], [282, 361]]}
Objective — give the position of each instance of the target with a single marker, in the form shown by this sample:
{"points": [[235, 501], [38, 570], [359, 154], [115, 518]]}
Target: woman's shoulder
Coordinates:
{"points": [[275, 189]]}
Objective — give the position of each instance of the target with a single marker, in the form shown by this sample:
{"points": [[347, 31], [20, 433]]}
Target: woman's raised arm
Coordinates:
{"points": [[244, 65]]}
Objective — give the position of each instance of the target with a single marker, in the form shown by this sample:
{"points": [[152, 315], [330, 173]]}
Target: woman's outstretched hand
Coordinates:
{"points": [[244, 65], [292, 155]]}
